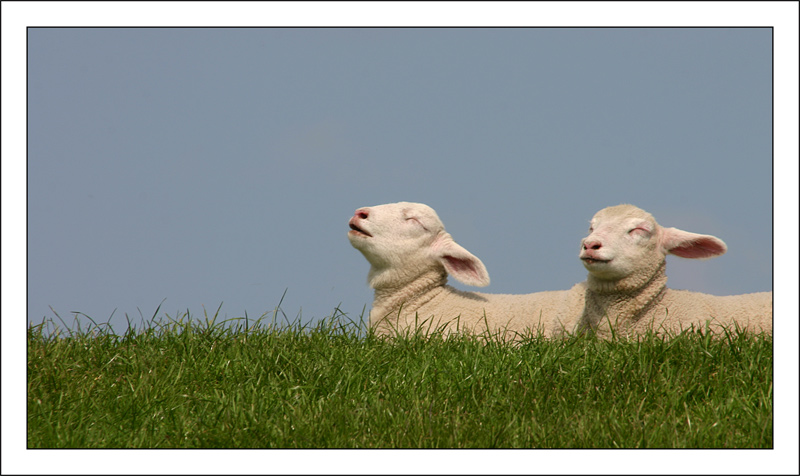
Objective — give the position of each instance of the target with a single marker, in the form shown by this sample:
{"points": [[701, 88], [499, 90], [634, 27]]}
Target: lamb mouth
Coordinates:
{"points": [[595, 260], [359, 230]]}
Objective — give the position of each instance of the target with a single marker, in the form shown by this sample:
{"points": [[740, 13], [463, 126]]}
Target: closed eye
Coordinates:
{"points": [[416, 220]]}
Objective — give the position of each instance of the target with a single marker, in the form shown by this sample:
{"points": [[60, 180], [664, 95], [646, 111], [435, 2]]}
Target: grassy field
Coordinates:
{"points": [[181, 383]]}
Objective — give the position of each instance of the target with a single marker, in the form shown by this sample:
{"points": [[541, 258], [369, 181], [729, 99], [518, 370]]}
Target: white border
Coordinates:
{"points": [[16, 16]]}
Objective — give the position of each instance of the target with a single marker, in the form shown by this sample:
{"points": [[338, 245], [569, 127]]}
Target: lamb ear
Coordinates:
{"points": [[692, 245], [458, 262]]}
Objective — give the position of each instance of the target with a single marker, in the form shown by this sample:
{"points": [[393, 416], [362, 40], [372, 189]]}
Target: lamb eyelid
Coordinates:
{"points": [[419, 222]]}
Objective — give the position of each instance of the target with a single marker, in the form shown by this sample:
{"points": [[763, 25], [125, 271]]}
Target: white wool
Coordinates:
{"points": [[625, 254], [411, 254]]}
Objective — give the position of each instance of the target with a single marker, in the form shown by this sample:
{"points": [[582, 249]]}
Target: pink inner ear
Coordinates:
{"points": [[699, 248], [460, 266]]}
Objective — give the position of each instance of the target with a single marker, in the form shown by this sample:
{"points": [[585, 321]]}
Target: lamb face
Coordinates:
{"points": [[621, 240], [395, 234], [405, 240], [625, 240]]}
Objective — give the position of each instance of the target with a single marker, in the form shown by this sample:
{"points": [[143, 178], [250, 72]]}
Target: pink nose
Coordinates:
{"points": [[362, 213], [592, 245]]}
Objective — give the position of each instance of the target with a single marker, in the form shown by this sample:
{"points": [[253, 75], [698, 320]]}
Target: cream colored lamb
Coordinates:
{"points": [[625, 254], [411, 254]]}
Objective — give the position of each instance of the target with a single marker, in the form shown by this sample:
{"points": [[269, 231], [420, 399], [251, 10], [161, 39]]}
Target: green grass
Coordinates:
{"points": [[244, 384]]}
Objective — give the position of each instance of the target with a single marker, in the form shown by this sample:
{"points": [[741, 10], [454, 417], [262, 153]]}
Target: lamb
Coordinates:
{"points": [[625, 254], [411, 255]]}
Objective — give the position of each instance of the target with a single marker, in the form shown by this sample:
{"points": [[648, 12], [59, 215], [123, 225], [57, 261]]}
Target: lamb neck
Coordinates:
{"points": [[409, 296], [622, 302]]}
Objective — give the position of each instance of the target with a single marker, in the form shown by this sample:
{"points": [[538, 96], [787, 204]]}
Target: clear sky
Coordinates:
{"points": [[206, 166], [220, 166]]}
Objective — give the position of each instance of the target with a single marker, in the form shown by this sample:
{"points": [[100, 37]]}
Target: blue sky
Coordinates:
{"points": [[209, 166], [206, 166]]}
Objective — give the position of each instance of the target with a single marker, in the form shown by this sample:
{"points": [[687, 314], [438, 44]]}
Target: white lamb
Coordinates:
{"points": [[411, 254], [625, 254]]}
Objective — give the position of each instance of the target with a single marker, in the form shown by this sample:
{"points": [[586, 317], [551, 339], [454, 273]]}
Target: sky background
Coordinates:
{"points": [[201, 167]]}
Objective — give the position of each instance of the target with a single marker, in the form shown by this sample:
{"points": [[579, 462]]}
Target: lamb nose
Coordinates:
{"points": [[362, 213], [592, 245]]}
